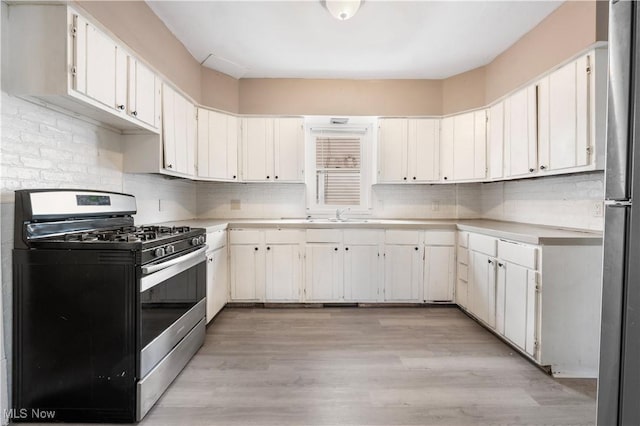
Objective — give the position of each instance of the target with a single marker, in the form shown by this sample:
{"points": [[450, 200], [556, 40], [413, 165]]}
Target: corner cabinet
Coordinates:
{"points": [[72, 63], [463, 141], [408, 150], [217, 146], [272, 149]]}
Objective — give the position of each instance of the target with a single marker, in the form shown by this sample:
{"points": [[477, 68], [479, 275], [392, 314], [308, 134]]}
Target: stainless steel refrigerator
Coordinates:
{"points": [[619, 380]]}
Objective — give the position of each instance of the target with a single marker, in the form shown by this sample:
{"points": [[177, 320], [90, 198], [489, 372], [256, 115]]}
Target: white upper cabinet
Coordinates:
{"points": [[144, 93], [272, 149], [520, 133], [495, 141], [73, 64], [563, 117], [463, 142], [217, 146], [178, 132], [408, 150]]}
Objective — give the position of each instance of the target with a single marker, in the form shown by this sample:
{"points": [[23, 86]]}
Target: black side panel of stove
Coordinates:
{"points": [[75, 335]]}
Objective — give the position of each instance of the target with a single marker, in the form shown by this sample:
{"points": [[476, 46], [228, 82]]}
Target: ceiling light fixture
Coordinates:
{"points": [[342, 9]]}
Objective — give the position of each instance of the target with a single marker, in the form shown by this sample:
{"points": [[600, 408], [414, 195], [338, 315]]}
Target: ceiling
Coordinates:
{"points": [[385, 39]]}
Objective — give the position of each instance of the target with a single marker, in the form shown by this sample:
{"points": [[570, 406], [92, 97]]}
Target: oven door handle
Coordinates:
{"points": [[155, 268]]}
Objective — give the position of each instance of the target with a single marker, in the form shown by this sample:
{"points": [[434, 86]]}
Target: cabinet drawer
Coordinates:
{"points": [[217, 239], [324, 235], [402, 237], [482, 244], [463, 255], [364, 236], [463, 239], [519, 254], [439, 238], [284, 236], [246, 236], [463, 272]]}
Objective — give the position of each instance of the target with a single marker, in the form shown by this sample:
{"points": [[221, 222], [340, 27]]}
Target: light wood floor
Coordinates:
{"points": [[364, 366]]}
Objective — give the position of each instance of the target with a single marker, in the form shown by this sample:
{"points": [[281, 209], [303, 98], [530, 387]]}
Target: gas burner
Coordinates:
{"points": [[165, 229]]}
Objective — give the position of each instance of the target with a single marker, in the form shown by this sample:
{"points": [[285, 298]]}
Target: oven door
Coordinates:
{"points": [[172, 302]]}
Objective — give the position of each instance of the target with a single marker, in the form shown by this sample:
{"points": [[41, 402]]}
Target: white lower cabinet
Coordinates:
{"points": [[324, 272], [361, 272], [217, 281], [283, 273], [247, 272], [482, 287], [439, 266], [520, 302], [402, 273]]}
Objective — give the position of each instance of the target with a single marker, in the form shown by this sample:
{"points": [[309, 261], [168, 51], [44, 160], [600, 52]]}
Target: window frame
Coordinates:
{"points": [[361, 127]]}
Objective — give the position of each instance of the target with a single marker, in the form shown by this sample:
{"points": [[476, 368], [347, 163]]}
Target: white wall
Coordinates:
{"points": [[563, 201]]}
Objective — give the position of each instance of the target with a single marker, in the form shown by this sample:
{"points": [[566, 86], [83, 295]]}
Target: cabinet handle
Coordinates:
{"points": [[134, 113], [445, 178], [276, 177], [234, 176], [490, 261], [404, 178], [255, 248], [120, 107], [414, 178], [532, 170], [169, 166], [335, 249], [267, 177], [543, 167], [416, 248], [346, 248], [268, 248], [500, 265]]}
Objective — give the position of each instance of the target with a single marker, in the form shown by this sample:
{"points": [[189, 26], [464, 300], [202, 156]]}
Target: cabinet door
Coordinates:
{"points": [[247, 264], [402, 273], [462, 291], [439, 273], [361, 272], [217, 282], [423, 150], [324, 266], [122, 79], [169, 128], [515, 305], [495, 133], [392, 150], [100, 67], [446, 149], [257, 152], [464, 146], [531, 334], [232, 147], [288, 149], [501, 282], [283, 273], [143, 93], [563, 114], [206, 155], [520, 130], [482, 287], [480, 144]]}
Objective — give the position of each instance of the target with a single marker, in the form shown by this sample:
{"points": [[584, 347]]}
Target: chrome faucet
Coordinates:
{"points": [[340, 212]]}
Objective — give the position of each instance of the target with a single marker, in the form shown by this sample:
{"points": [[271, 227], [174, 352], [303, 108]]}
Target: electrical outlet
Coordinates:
{"points": [[235, 204], [435, 206], [598, 209]]}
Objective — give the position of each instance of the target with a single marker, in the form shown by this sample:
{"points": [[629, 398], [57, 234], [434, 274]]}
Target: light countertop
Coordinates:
{"points": [[522, 232]]}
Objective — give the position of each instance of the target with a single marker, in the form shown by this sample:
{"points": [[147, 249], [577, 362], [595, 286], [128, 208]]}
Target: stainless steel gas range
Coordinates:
{"points": [[105, 314]]}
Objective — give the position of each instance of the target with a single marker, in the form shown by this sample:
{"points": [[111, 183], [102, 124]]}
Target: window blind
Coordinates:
{"points": [[338, 161]]}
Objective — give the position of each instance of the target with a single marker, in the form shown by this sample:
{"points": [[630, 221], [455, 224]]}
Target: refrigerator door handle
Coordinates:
{"points": [[614, 203]]}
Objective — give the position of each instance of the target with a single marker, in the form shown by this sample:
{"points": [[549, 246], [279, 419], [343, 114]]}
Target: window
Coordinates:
{"points": [[339, 169]]}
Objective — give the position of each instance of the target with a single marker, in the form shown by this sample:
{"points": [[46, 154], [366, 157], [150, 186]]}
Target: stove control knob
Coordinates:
{"points": [[159, 252], [194, 241], [201, 239], [170, 249]]}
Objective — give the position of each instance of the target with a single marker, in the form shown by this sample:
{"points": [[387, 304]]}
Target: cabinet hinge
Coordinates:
{"points": [[589, 69], [535, 344], [74, 31], [74, 70], [589, 150]]}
